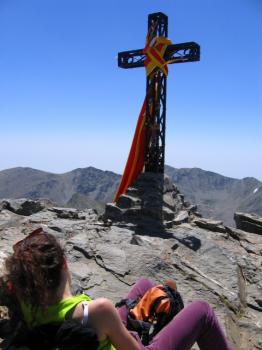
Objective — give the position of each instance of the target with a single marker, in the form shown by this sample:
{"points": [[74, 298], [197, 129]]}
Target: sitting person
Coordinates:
{"points": [[38, 278]]}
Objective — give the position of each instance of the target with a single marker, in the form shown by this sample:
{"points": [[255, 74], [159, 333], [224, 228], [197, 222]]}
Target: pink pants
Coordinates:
{"points": [[197, 322]]}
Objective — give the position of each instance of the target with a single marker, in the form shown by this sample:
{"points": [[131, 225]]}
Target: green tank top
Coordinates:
{"points": [[57, 313]]}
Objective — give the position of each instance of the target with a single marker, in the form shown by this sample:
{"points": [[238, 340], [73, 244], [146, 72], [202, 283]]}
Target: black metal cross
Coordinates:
{"points": [[156, 88]]}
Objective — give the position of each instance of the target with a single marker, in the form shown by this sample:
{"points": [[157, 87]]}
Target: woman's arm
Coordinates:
{"points": [[104, 317]]}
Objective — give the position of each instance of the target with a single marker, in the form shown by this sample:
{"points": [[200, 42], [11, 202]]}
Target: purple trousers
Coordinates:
{"points": [[197, 322]]}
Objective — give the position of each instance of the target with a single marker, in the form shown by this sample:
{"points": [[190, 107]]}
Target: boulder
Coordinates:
{"points": [[248, 222], [112, 212], [127, 201], [67, 213], [22, 206], [212, 225], [251, 242]]}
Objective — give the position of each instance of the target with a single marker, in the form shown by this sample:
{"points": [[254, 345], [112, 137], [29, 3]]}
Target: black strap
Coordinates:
{"points": [[130, 303]]}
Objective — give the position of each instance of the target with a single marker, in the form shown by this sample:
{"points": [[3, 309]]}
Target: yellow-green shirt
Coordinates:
{"points": [[57, 313]]}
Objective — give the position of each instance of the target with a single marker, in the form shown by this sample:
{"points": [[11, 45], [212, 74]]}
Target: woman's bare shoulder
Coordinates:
{"points": [[96, 308]]}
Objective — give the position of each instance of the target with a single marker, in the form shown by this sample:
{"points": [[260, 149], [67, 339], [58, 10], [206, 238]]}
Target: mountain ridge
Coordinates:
{"points": [[217, 196]]}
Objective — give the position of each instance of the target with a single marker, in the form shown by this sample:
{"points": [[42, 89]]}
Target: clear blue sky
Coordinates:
{"points": [[65, 104]]}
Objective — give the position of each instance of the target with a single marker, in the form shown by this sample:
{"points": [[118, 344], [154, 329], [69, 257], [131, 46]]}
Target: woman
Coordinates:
{"points": [[38, 275]]}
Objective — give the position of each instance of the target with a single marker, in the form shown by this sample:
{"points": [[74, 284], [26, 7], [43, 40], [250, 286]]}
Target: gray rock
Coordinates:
{"points": [[113, 259], [168, 214], [168, 185], [248, 222], [22, 206], [181, 217], [244, 236], [8, 219], [169, 200], [212, 225], [251, 242], [112, 212], [127, 201], [67, 213]]}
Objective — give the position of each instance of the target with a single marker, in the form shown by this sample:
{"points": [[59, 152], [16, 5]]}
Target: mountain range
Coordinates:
{"points": [[216, 196]]}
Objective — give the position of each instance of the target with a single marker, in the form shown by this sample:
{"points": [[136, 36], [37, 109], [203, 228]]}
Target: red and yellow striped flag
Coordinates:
{"points": [[135, 161], [155, 50]]}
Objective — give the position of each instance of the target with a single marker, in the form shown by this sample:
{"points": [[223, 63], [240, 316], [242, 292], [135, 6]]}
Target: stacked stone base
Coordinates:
{"points": [[151, 198]]}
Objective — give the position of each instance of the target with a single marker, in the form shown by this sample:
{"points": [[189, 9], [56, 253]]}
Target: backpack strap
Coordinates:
{"points": [[129, 303], [85, 309]]}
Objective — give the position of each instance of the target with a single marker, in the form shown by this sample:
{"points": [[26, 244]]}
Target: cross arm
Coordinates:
{"points": [[131, 59], [184, 52], [178, 53]]}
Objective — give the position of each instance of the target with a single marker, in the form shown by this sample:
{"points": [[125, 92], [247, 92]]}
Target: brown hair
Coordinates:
{"points": [[34, 269]]}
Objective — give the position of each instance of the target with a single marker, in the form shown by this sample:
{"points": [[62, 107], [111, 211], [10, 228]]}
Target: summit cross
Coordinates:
{"points": [[155, 120]]}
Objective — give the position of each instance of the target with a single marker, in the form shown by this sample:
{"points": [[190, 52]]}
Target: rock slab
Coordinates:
{"points": [[248, 222]]}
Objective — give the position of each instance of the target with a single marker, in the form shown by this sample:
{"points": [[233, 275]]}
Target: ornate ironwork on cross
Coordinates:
{"points": [[155, 57]]}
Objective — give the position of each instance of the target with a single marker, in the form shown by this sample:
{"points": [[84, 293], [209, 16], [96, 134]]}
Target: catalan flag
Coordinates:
{"points": [[155, 50]]}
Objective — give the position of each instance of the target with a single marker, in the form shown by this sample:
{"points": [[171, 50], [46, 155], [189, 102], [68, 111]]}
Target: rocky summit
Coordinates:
{"points": [[207, 259]]}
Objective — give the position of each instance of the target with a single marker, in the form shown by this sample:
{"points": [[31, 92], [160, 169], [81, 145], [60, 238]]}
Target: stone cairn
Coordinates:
{"points": [[152, 199]]}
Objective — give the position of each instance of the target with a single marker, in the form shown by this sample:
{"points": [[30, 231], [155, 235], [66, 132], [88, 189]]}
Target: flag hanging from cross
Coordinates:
{"points": [[148, 147]]}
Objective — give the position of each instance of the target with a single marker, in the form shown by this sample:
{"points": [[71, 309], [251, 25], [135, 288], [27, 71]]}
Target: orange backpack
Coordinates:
{"points": [[149, 314]]}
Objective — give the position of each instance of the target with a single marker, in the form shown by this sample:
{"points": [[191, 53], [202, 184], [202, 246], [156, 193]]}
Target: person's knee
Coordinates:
{"points": [[203, 309], [203, 305], [145, 282]]}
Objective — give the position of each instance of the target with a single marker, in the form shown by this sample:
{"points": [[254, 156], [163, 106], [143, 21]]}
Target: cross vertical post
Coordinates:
{"points": [[156, 103]]}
